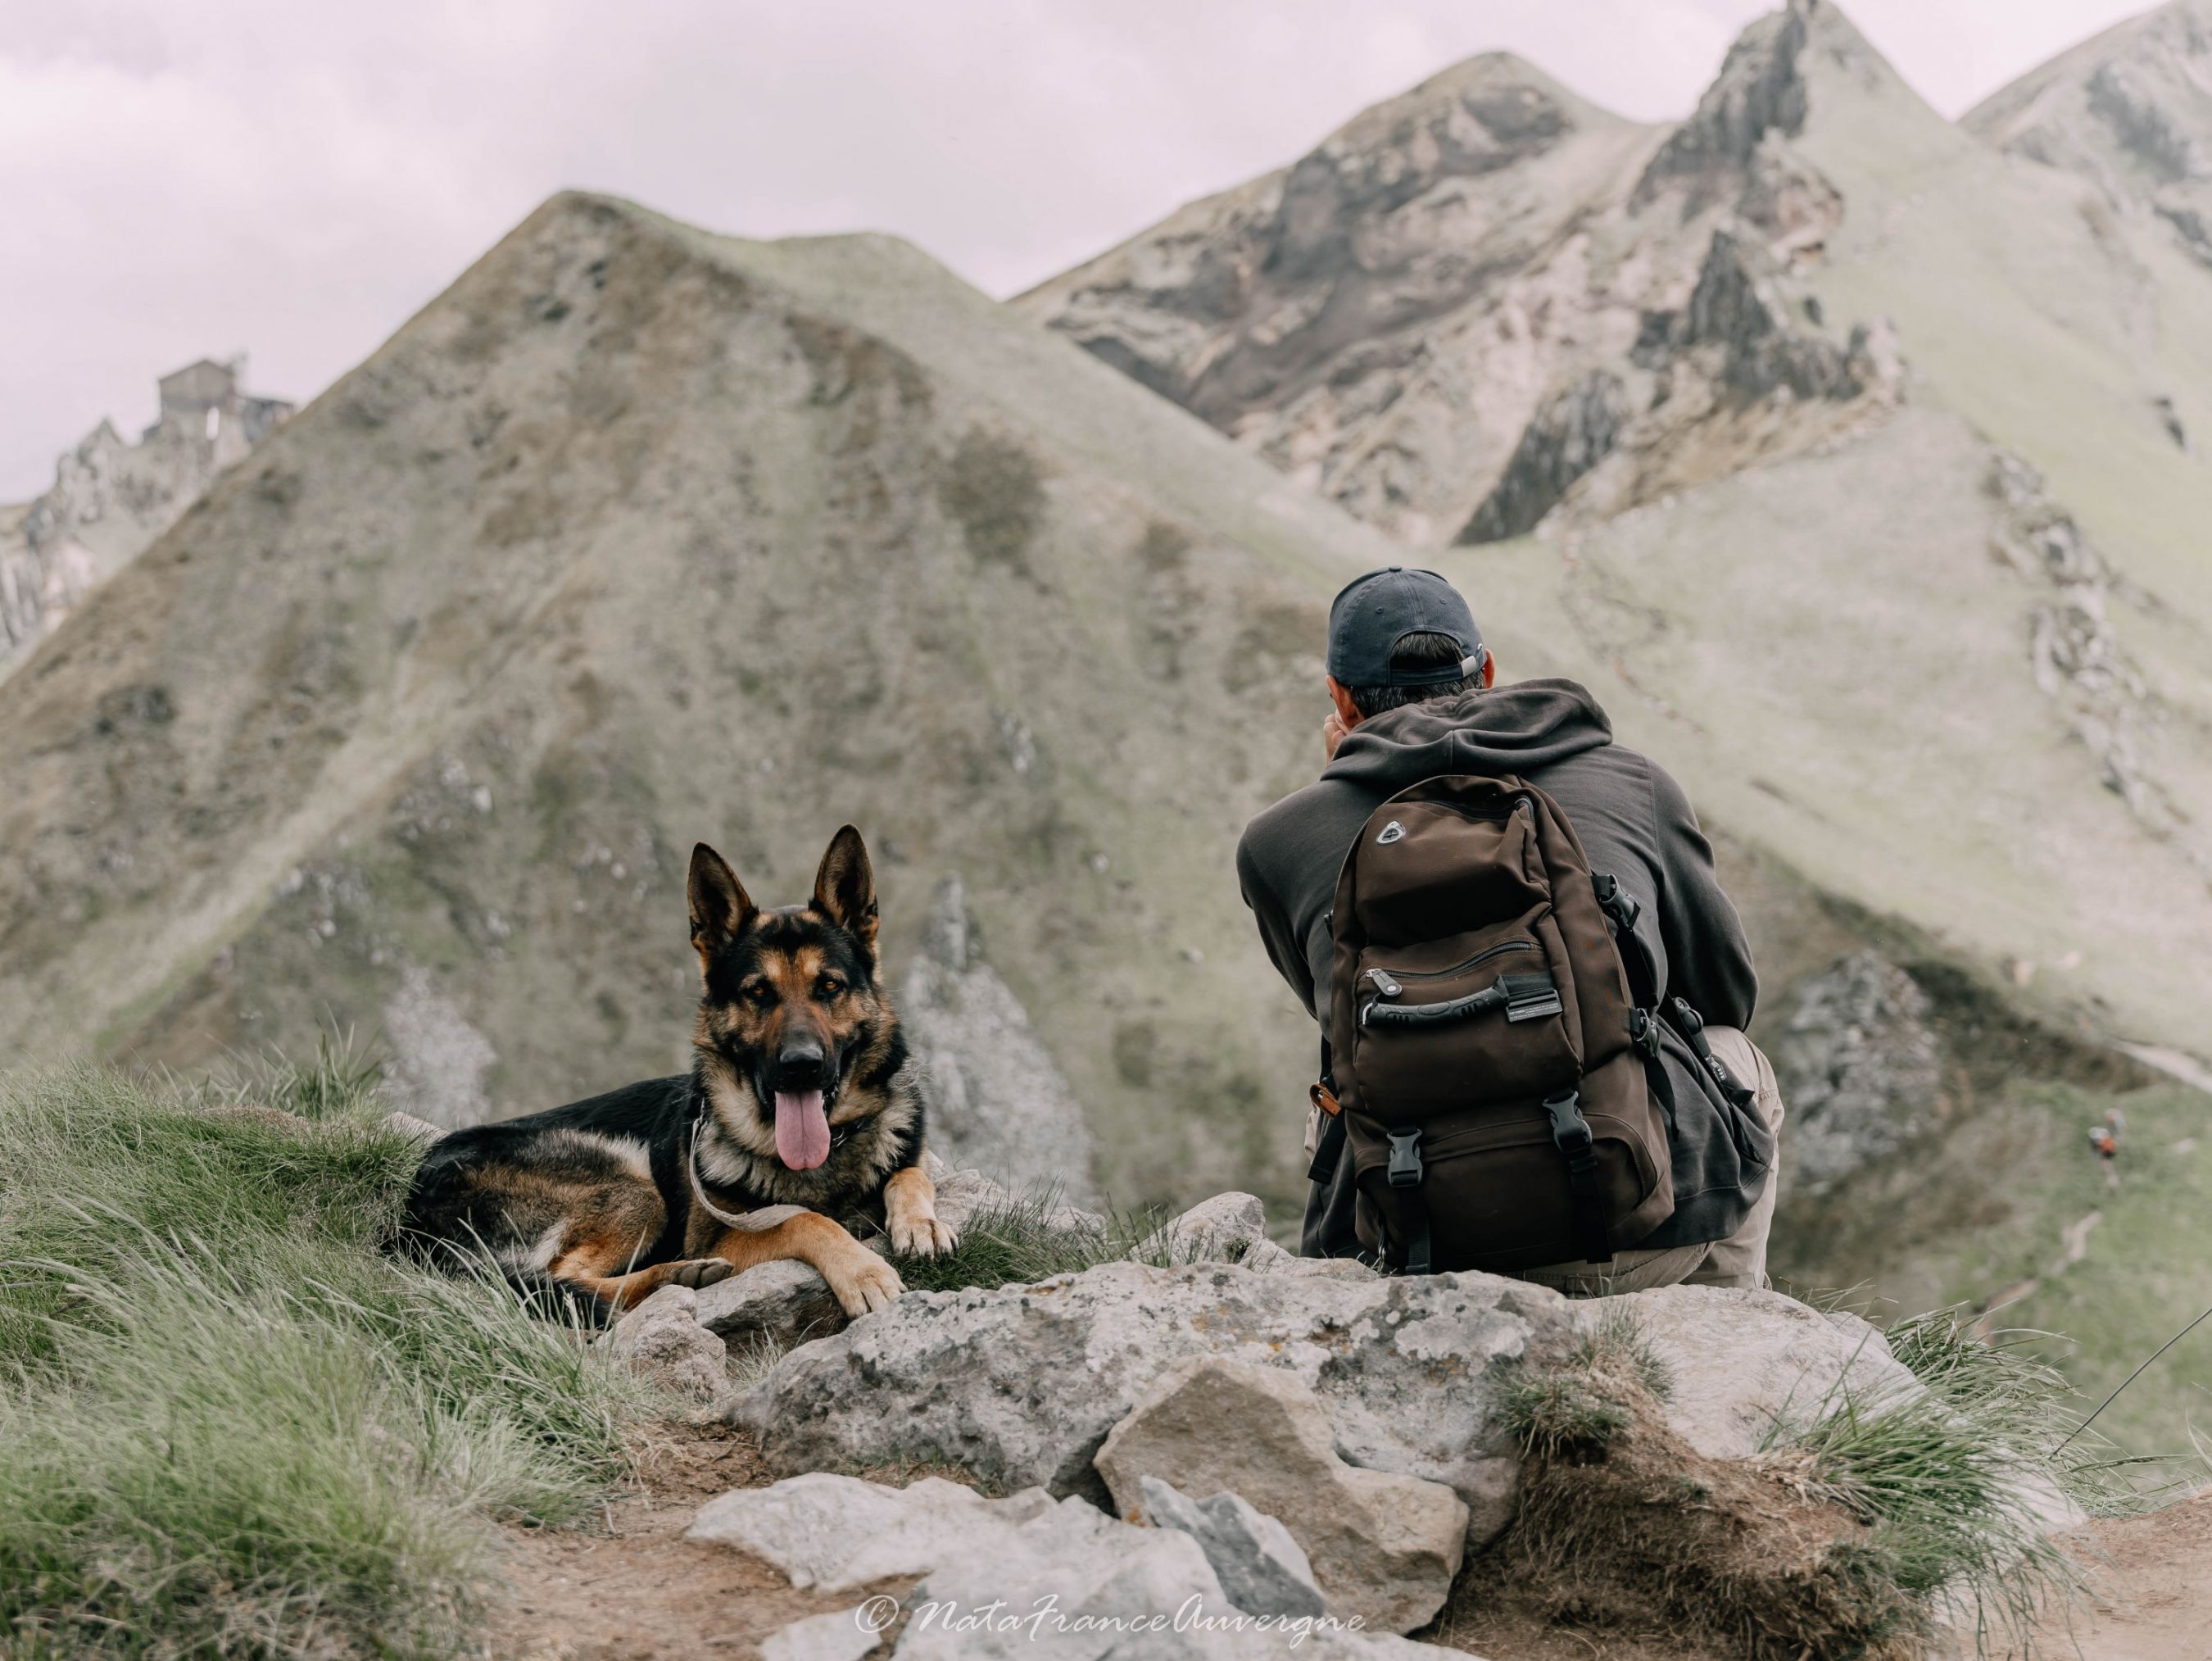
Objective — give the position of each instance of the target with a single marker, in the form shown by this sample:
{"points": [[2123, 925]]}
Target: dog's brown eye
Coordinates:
{"points": [[759, 995], [830, 988]]}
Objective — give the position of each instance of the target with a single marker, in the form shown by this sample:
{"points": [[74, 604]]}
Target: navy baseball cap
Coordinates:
{"points": [[1371, 614]]}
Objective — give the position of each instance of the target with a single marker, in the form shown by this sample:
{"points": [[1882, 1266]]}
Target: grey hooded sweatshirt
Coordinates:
{"points": [[1633, 821]]}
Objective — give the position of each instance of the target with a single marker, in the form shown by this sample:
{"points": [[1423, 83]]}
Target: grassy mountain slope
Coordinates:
{"points": [[638, 536]]}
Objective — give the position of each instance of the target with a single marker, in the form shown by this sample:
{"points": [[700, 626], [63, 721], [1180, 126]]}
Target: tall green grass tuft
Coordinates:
{"points": [[1962, 1485], [1585, 1400], [229, 1424], [342, 1079]]}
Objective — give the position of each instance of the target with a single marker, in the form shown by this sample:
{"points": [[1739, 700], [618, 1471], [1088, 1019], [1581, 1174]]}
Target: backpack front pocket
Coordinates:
{"points": [[1480, 1016], [1497, 1192]]}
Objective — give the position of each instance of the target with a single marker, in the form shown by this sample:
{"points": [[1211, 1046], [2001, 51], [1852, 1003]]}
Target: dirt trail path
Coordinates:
{"points": [[2156, 1576], [634, 1589]]}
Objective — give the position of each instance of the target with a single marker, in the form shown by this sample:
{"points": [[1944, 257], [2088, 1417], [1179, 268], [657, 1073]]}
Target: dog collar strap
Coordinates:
{"points": [[752, 1222], [728, 1219]]}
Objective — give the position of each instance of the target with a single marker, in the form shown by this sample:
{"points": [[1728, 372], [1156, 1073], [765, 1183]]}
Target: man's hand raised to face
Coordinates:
{"points": [[1332, 734]]}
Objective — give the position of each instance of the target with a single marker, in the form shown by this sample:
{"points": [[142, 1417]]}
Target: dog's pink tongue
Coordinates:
{"points": [[802, 1130]]}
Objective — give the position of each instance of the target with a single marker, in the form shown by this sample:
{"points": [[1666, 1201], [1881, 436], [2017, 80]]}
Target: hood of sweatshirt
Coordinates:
{"points": [[1516, 728]]}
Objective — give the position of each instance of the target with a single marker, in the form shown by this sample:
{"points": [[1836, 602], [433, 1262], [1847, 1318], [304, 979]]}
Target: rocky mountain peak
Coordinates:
{"points": [[1430, 315], [1787, 70], [1761, 90], [1482, 116], [2130, 110], [1491, 103]]}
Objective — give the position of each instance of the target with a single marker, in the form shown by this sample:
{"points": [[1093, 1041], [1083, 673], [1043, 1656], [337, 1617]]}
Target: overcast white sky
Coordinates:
{"points": [[293, 178]]}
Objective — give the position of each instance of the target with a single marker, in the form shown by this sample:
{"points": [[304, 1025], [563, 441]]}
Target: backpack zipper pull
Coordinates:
{"points": [[1383, 983]]}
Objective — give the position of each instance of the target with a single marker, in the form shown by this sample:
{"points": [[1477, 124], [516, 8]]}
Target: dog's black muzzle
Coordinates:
{"points": [[802, 1063]]}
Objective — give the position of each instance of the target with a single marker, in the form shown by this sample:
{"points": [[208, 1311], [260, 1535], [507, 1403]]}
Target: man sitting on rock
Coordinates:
{"points": [[1416, 697]]}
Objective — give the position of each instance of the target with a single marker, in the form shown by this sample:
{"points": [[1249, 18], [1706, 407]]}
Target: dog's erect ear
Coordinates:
{"points": [[719, 906], [845, 888]]}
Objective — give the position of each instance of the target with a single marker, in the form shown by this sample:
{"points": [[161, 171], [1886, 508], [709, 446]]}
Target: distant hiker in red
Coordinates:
{"points": [[2106, 1139], [1531, 987]]}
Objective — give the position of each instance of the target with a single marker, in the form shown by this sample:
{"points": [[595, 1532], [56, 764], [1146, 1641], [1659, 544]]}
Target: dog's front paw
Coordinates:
{"points": [[863, 1282], [922, 1237], [699, 1272]]}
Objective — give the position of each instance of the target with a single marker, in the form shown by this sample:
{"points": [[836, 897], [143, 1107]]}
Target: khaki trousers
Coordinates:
{"points": [[1738, 1261]]}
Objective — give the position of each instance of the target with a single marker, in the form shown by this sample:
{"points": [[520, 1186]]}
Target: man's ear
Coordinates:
{"points": [[720, 908], [1347, 710], [845, 887]]}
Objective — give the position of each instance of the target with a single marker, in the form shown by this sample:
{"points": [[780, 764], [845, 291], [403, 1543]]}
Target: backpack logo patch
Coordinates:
{"points": [[1392, 832]]}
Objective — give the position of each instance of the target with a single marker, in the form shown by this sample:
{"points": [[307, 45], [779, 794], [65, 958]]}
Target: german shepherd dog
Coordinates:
{"points": [[800, 1108]]}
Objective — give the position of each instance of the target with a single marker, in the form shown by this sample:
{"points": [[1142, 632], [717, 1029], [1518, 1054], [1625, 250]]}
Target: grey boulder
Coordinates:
{"points": [[662, 1339], [1024, 1575], [1075, 1584], [780, 1303], [1260, 1568], [1383, 1546], [1020, 1384], [1223, 1229], [786, 1304], [1743, 1361], [833, 1533]]}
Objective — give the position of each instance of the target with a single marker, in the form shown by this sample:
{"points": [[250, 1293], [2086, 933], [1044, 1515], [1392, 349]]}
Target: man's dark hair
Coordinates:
{"points": [[1416, 652]]}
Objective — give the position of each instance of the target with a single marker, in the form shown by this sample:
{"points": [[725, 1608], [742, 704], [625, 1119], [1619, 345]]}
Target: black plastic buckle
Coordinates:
{"points": [[1643, 1031], [1617, 902], [1571, 1132], [1529, 997], [1405, 1168], [1686, 1018]]}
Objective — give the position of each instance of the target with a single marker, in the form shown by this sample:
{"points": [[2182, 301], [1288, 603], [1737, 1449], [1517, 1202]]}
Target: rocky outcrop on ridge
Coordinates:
{"points": [[111, 497], [1859, 1067], [1761, 90], [997, 1101], [1736, 306], [1573, 431], [2079, 658], [1744, 344]]}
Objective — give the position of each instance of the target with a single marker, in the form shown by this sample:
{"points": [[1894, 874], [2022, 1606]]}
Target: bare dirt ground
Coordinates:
{"points": [[633, 1589], [2155, 1575]]}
